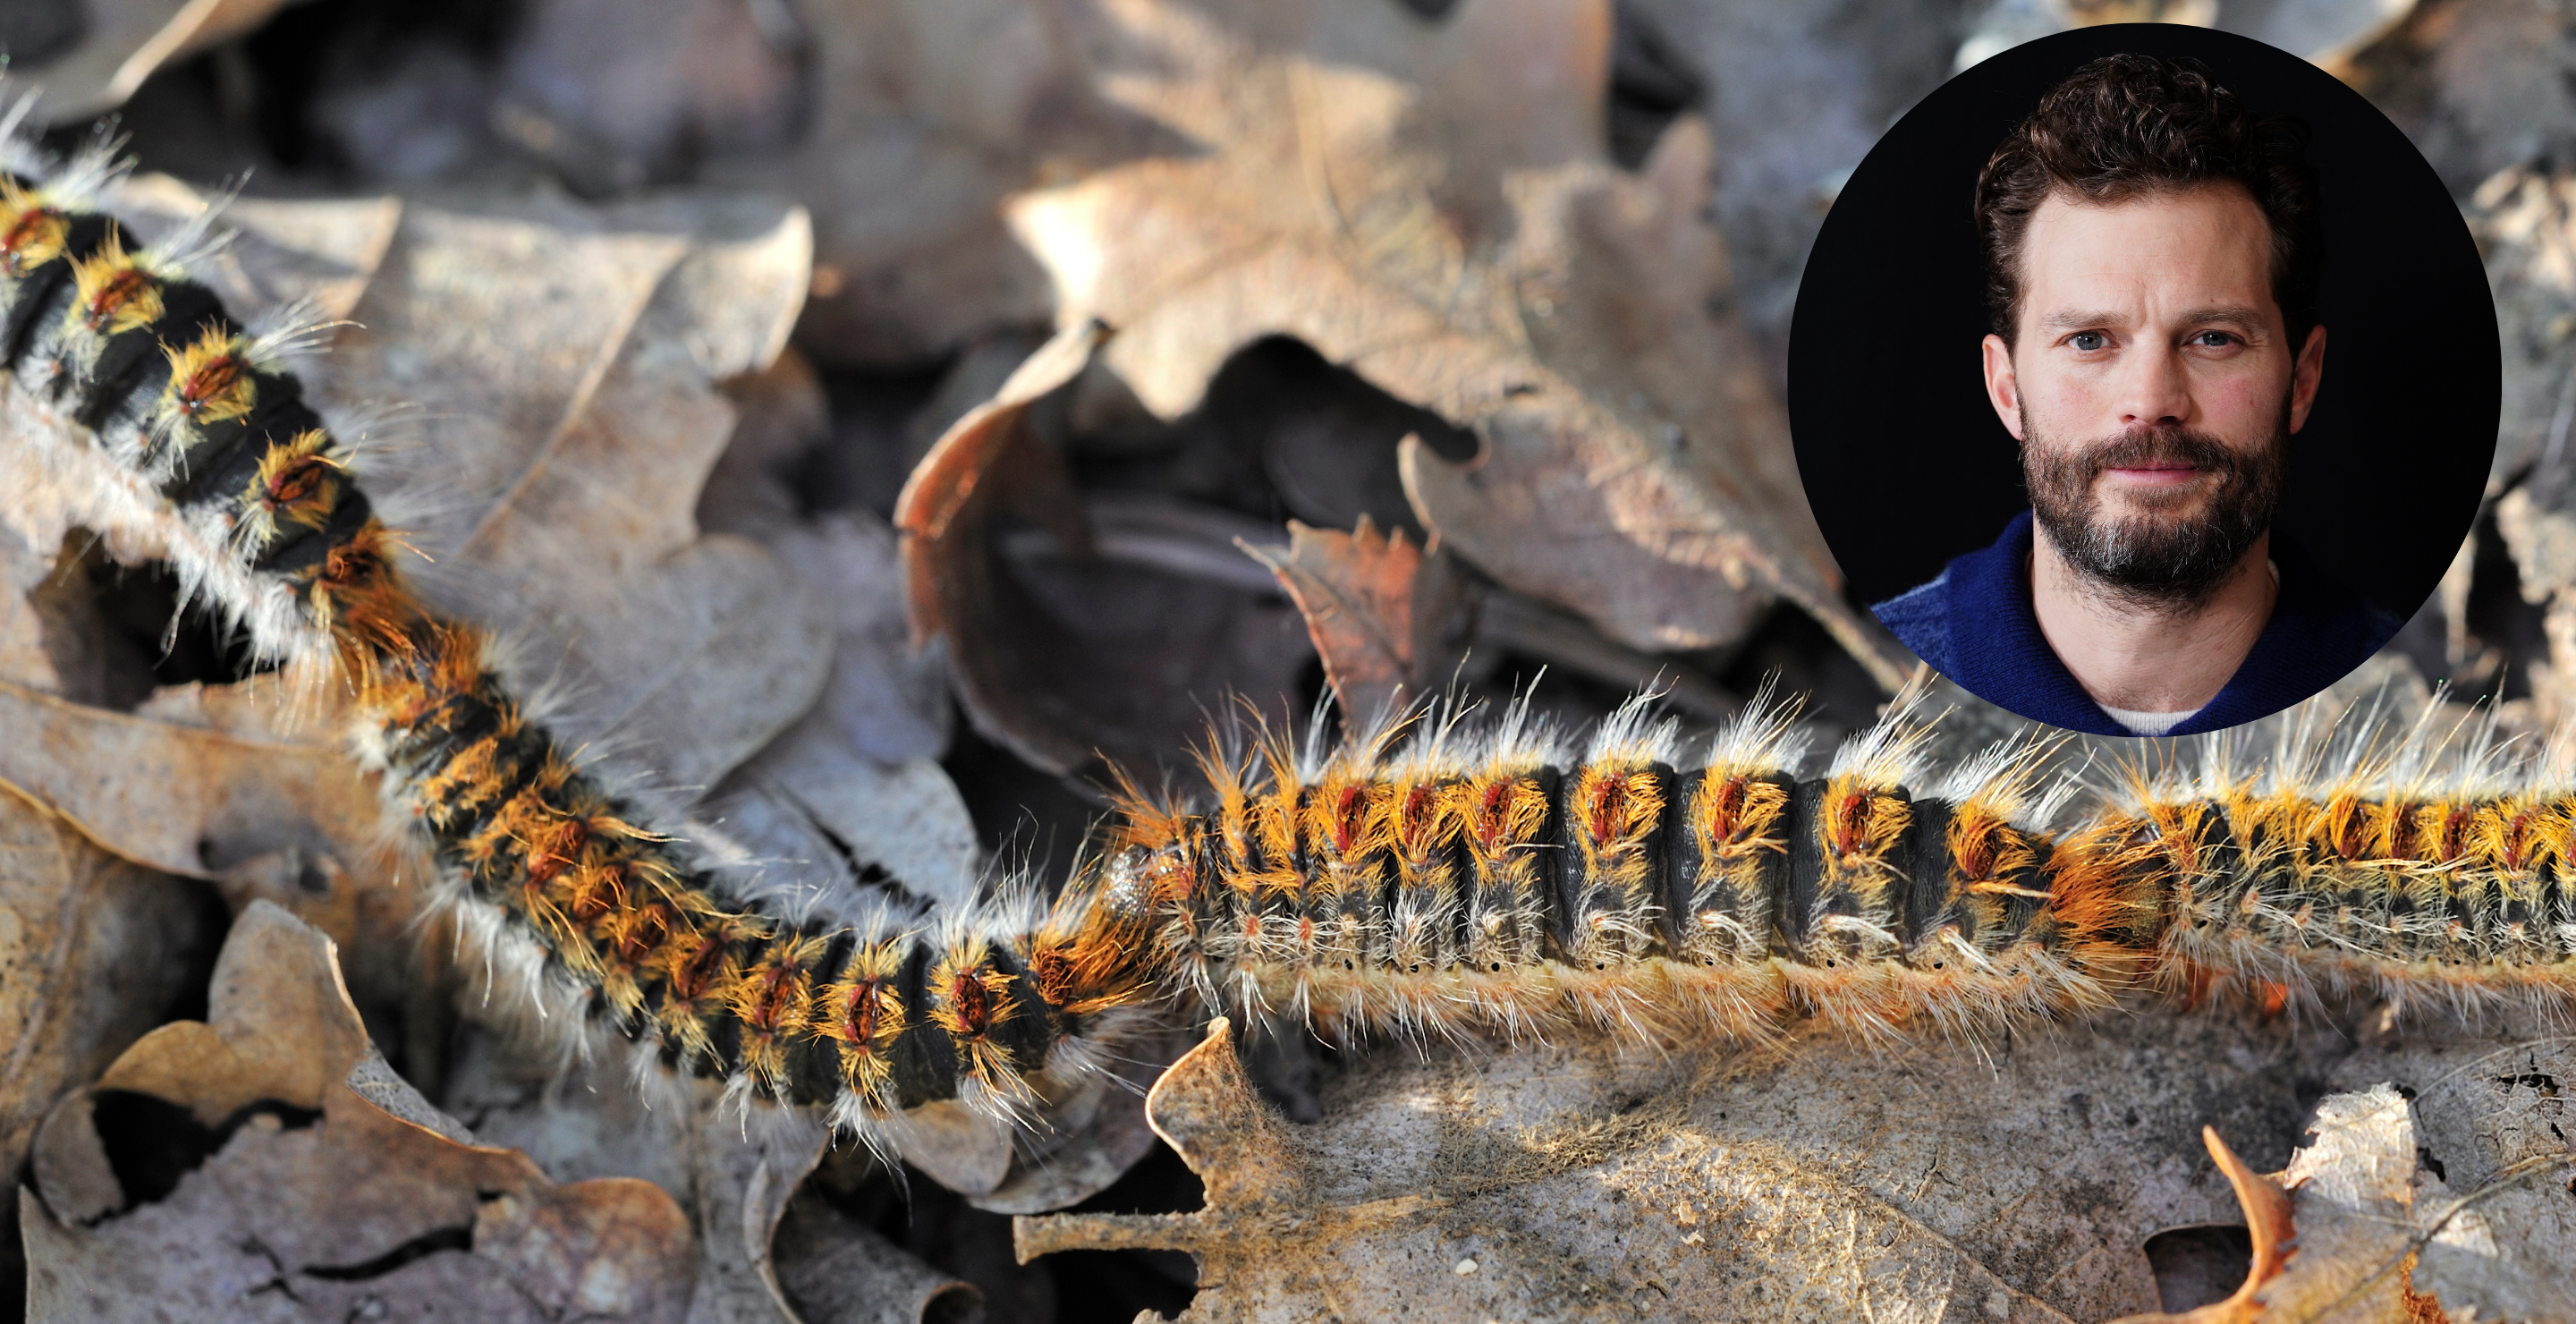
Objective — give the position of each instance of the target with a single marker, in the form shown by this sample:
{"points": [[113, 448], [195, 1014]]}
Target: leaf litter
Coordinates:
{"points": [[1316, 234], [297, 1178]]}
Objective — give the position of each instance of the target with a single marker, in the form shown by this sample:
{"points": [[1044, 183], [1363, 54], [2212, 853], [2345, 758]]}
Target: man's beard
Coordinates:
{"points": [[2181, 544]]}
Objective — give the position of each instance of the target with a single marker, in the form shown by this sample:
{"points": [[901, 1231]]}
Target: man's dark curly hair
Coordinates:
{"points": [[2125, 126]]}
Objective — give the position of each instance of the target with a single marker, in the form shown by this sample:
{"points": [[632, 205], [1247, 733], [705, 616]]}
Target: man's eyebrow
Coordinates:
{"points": [[2080, 320]]}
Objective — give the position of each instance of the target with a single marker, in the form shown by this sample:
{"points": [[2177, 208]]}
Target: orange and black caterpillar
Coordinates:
{"points": [[139, 402], [1503, 879], [1435, 877]]}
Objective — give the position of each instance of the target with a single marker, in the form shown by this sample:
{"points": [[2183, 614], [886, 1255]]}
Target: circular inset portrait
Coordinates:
{"points": [[2144, 380]]}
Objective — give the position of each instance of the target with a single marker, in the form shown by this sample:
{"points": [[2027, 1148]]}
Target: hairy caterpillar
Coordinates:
{"points": [[139, 401], [1506, 879], [1437, 877]]}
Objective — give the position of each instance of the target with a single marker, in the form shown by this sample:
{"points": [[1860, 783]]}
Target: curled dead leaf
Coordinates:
{"points": [[94, 951], [2363, 1226], [90, 55], [839, 1271], [1390, 620], [2267, 1219], [284, 1192], [990, 463], [1083, 639]]}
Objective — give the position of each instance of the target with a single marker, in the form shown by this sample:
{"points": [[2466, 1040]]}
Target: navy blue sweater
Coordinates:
{"points": [[1973, 623]]}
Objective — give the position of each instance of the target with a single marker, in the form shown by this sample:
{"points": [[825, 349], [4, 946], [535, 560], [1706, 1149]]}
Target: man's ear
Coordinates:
{"points": [[2003, 390], [2310, 370]]}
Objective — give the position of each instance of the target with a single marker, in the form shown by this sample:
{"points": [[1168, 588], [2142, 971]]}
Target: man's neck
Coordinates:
{"points": [[2147, 658]]}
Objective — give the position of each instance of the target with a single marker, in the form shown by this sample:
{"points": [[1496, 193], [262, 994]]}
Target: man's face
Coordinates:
{"points": [[2152, 386]]}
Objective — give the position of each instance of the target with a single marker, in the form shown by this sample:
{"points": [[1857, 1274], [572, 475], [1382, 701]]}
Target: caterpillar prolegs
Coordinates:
{"points": [[1457, 873]]}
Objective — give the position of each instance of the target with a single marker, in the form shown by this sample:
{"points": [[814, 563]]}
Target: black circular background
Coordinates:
{"points": [[1906, 463]]}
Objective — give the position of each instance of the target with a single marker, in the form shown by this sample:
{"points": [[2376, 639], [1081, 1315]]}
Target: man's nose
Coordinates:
{"points": [[2153, 391]]}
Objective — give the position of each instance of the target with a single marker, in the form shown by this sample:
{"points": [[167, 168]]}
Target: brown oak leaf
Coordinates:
{"points": [[310, 1182], [1430, 205], [1388, 618], [2019, 1180]]}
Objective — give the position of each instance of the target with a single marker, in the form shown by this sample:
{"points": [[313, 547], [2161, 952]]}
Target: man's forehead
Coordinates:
{"points": [[2204, 248], [2218, 198]]}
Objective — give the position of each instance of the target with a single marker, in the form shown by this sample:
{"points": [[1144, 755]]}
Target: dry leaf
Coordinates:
{"points": [[848, 797], [2481, 93], [746, 1174], [2522, 217], [1389, 619], [619, 94], [2512, 1234], [297, 1197], [735, 1170], [201, 782], [1090, 1138], [1510, 623], [887, 700], [991, 462], [927, 113], [93, 952], [2526, 222], [569, 415], [1078, 644], [2351, 1196], [826, 819], [186, 798], [1844, 1182], [2268, 1224], [1796, 95], [2375, 1226], [1437, 214], [89, 55], [39, 647], [2336, 1244], [2327, 32], [223, 783], [838, 1271], [2494, 1166]]}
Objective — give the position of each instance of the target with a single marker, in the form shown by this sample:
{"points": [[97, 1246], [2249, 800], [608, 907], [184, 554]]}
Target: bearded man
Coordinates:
{"points": [[2151, 256]]}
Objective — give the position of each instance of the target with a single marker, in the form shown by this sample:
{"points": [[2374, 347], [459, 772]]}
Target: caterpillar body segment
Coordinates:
{"points": [[1499, 893], [2460, 903]]}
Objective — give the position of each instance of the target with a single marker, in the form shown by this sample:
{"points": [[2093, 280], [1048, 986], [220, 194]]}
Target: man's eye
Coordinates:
{"points": [[2214, 339], [2085, 342]]}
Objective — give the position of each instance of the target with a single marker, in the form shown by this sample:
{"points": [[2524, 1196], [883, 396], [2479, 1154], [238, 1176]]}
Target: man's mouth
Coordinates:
{"points": [[2157, 474]]}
